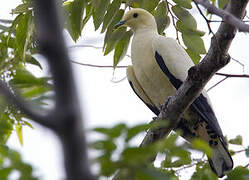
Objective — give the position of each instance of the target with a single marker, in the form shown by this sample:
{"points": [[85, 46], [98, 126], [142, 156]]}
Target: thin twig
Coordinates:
{"points": [[217, 84], [96, 66], [237, 61], [190, 165], [118, 81], [233, 75], [228, 76], [243, 150], [89, 46], [173, 21], [85, 45], [207, 21], [6, 21], [226, 16]]}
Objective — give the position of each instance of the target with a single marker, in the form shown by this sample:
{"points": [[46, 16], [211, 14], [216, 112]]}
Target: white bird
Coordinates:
{"points": [[159, 66]]}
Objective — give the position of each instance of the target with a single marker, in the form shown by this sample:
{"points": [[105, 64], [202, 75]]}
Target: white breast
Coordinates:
{"points": [[148, 73]]}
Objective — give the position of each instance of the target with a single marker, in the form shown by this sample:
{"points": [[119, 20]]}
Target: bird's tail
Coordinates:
{"points": [[220, 160]]}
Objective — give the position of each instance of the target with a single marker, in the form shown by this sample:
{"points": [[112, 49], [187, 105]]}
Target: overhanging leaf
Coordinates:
{"points": [[21, 33], [195, 57], [75, 10], [187, 19], [111, 13], [194, 43], [149, 5], [99, 11], [114, 38], [202, 146], [21, 8], [110, 29], [19, 132], [161, 16], [237, 140], [184, 3], [121, 48]]}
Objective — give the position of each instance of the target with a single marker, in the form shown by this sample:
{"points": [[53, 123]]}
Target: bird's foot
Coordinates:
{"points": [[165, 104]]}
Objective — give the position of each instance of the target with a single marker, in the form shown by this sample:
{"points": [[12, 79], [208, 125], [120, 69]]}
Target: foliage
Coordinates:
{"points": [[18, 50], [11, 164], [116, 142]]}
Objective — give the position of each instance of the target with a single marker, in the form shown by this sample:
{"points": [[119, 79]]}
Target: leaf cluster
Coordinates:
{"points": [[18, 52], [115, 152]]}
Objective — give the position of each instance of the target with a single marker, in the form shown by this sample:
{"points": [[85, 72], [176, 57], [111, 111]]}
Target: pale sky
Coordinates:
{"points": [[106, 103]]}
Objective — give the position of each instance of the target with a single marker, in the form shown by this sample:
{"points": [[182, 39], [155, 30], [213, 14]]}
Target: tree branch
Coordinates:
{"points": [[234, 75], [35, 114], [67, 112], [225, 15], [97, 66], [200, 74]]}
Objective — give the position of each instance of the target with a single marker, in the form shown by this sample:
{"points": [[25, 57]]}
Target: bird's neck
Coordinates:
{"points": [[145, 30]]}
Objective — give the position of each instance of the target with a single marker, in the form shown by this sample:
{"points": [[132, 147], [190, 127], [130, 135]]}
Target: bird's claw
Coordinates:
{"points": [[165, 104]]}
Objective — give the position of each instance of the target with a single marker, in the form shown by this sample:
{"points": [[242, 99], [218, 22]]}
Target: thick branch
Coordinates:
{"points": [[199, 75], [35, 114], [67, 114], [225, 15]]}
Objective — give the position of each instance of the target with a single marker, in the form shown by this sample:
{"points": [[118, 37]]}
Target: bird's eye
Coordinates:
{"points": [[135, 15]]}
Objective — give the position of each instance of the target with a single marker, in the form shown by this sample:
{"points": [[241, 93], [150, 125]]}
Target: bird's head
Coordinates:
{"points": [[138, 18]]}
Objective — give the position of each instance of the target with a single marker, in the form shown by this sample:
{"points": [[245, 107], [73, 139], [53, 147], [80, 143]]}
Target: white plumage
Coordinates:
{"points": [[159, 66]]}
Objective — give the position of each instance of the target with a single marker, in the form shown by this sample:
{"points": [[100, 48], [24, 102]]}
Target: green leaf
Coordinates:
{"points": [[21, 8], [121, 48], [237, 140], [19, 132], [112, 132], [88, 14], [194, 43], [106, 145], [238, 173], [202, 146], [151, 173], [132, 132], [30, 32], [99, 11], [204, 172], [187, 19], [222, 3], [28, 124], [34, 91], [184, 156], [107, 166], [31, 60], [21, 33], [113, 39], [186, 30], [109, 32], [111, 13], [148, 5], [184, 3], [75, 10], [133, 156], [195, 57], [161, 16], [23, 78], [6, 126]]}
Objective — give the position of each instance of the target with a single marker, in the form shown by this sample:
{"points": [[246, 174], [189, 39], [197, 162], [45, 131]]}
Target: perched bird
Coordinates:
{"points": [[159, 66]]}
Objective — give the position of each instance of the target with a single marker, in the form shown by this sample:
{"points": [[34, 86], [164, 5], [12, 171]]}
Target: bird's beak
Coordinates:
{"points": [[120, 23]]}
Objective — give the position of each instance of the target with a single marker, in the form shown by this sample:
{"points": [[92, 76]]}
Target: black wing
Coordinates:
{"points": [[200, 105]]}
